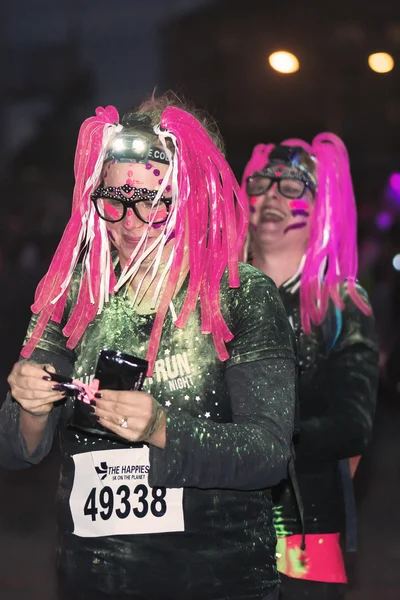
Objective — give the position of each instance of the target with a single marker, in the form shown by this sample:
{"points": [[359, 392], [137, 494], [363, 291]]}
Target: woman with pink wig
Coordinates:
{"points": [[163, 496], [303, 235]]}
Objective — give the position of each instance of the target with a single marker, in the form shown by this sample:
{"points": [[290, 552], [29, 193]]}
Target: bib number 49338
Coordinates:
{"points": [[111, 496], [105, 502]]}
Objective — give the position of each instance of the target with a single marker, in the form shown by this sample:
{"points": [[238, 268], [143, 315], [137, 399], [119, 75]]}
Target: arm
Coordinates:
{"points": [[29, 420], [252, 452], [345, 428]]}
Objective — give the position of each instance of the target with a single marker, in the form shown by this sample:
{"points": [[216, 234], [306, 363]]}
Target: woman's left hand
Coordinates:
{"points": [[131, 415]]}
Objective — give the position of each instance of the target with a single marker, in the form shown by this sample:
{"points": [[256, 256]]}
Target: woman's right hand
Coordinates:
{"points": [[33, 389]]}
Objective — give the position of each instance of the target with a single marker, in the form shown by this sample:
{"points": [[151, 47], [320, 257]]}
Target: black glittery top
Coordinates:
{"points": [[337, 398], [229, 428]]}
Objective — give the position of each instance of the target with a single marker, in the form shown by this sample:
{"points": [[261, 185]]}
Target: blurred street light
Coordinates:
{"points": [[284, 62], [381, 62]]}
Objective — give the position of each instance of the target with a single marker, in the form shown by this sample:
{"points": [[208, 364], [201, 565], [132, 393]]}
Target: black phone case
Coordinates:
{"points": [[115, 371]]}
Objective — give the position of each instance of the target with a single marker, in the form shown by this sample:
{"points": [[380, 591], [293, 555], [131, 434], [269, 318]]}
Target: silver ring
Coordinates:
{"points": [[124, 422]]}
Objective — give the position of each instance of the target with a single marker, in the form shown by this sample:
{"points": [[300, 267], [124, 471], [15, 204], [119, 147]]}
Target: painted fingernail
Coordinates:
{"points": [[93, 402], [46, 378], [92, 409], [98, 395], [58, 388]]}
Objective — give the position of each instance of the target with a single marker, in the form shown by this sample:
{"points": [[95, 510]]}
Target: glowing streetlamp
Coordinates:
{"points": [[381, 62], [284, 62]]}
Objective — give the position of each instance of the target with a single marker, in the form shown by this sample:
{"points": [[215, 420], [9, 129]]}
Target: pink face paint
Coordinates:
{"points": [[295, 226], [159, 214], [156, 172], [130, 173], [299, 205], [128, 218], [129, 182], [111, 211], [148, 166], [253, 200]]}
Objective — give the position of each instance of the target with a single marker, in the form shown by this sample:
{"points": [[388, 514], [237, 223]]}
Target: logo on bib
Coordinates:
{"points": [[102, 470], [119, 472]]}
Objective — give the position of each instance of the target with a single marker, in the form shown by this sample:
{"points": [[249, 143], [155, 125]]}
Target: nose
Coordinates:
{"points": [[273, 191], [131, 221]]}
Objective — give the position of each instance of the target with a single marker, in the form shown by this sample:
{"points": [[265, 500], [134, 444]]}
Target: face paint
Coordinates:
{"points": [[171, 236], [299, 208], [300, 213], [111, 211], [299, 205], [128, 218], [294, 226], [254, 227], [110, 235], [253, 200]]}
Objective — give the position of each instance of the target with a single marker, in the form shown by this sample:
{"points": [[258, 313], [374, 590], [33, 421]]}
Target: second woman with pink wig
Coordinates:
{"points": [[303, 235]]}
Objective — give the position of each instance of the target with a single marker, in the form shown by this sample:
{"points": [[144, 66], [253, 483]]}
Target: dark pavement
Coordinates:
{"points": [[27, 521]]}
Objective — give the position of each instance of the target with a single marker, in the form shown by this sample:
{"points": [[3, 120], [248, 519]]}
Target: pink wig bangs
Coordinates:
{"points": [[331, 257], [207, 201]]}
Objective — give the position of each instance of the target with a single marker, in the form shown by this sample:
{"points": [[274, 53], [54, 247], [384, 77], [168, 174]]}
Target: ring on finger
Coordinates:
{"points": [[124, 422]]}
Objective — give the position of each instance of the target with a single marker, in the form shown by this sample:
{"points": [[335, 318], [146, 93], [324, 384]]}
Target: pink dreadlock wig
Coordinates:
{"points": [[206, 199], [331, 256]]}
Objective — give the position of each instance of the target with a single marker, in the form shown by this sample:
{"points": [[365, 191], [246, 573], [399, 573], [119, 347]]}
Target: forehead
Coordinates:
{"points": [[149, 175], [283, 171]]}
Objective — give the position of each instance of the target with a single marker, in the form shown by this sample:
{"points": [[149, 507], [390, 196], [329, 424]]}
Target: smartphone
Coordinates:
{"points": [[115, 371]]}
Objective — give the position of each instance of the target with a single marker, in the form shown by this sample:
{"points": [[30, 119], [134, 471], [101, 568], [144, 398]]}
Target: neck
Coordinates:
{"points": [[279, 265], [148, 286]]}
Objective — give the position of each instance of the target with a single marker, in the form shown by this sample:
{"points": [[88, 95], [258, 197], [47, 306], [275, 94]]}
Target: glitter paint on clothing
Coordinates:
{"points": [[221, 417]]}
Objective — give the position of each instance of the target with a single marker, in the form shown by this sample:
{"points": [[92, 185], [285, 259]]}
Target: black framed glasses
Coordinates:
{"points": [[112, 203], [290, 185]]}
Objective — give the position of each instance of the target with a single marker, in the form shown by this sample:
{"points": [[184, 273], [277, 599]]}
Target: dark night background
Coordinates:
{"points": [[63, 58]]}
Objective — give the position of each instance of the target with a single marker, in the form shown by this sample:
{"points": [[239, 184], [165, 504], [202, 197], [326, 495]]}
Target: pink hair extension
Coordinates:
{"points": [[83, 227], [207, 190], [331, 256]]}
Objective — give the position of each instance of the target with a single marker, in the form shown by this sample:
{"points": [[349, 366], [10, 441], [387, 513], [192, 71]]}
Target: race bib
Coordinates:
{"points": [[111, 496]]}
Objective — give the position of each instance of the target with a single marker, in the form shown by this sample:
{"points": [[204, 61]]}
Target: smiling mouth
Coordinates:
{"points": [[272, 215], [131, 240]]}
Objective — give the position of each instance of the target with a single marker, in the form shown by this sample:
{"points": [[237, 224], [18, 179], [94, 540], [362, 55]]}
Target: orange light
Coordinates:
{"points": [[284, 62], [381, 62]]}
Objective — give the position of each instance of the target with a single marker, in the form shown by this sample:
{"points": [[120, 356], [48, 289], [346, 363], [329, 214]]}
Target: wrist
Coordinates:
{"points": [[157, 422], [38, 419]]}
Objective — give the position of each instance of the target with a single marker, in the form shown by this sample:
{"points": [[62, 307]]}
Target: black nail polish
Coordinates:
{"points": [[58, 388], [98, 395], [46, 378], [92, 409], [93, 402]]}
